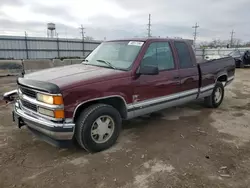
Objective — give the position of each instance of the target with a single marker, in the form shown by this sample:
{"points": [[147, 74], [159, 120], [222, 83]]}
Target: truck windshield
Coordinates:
{"points": [[118, 54]]}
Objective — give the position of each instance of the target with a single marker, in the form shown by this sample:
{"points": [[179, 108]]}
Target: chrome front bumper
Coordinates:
{"points": [[55, 130]]}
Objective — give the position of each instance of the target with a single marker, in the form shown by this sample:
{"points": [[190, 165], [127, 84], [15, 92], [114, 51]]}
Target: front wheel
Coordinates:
{"points": [[98, 127], [217, 96]]}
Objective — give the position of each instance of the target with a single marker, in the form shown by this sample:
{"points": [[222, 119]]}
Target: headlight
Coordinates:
{"points": [[49, 99], [58, 114]]}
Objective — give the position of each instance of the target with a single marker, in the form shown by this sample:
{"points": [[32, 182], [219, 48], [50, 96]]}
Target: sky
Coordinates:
{"points": [[112, 19]]}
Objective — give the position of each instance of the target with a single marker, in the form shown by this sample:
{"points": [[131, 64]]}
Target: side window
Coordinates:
{"points": [[160, 54], [183, 55]]}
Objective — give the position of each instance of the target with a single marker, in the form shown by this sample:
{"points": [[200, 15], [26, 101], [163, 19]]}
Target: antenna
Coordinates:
{"points": [[149, 25], [196, 26]]}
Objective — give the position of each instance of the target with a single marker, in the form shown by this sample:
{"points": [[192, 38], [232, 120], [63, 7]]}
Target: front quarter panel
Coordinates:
{"points": [[76, 96]]}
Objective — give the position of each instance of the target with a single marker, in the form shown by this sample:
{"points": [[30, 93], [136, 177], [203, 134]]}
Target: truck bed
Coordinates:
{"points": [[215, 68], [200, 60], [212, 65]]}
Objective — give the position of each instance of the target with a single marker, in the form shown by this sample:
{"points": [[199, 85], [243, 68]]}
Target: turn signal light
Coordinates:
{"points": [[58, 100], [59, 114]]}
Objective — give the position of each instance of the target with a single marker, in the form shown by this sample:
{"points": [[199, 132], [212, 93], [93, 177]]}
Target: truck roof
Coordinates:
{"points": [[144, 39]]}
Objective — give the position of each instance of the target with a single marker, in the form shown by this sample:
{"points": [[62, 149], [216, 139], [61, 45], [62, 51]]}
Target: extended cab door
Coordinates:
{"points": [[189, 74], [155, 92]]}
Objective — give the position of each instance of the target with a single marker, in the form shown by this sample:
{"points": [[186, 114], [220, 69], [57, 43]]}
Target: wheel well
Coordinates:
{"points": [[116, 102], [222, 78]]}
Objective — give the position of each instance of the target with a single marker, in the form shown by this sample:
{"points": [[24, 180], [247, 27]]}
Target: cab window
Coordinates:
{"points": [[184, 55], [159, 54]]}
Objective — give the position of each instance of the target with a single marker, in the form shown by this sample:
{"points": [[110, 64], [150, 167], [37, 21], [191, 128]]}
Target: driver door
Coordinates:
{"points": [[155, 92]]}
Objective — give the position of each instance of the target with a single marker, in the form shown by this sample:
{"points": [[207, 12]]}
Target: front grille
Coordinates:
{"points": [[29, 105], [28, 92]]}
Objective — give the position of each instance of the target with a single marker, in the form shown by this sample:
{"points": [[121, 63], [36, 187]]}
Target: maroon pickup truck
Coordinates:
{"points": [[119, 80]]}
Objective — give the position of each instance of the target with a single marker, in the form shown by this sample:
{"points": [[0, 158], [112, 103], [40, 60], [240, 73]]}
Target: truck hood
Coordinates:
{"points": [[72, 75]]}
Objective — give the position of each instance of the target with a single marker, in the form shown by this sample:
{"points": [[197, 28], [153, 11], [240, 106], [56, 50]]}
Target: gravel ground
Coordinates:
{"points": [[188, 146]]}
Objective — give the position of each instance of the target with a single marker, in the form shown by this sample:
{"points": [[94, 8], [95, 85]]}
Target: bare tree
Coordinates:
{"points": [[247, 44], [237, 42], [216, 43], [89, 38]]}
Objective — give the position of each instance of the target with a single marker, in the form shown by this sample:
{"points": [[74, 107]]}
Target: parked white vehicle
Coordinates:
{"points": [[211, 57]]}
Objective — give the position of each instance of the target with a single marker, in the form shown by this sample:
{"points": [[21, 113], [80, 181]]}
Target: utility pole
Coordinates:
{"points": [[57, 43], [26, 45], [232, 38], [149, 25], [196, 26], [82, 33]]}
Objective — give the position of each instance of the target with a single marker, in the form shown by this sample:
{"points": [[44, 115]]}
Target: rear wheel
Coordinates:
{"points": [[98, 127], [217, 96]]}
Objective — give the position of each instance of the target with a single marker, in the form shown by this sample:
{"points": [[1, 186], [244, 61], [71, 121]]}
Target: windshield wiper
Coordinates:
{"points": [[107, 63]]}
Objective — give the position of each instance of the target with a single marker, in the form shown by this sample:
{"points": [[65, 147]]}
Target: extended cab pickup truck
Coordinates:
{"points": [[120, 79]]}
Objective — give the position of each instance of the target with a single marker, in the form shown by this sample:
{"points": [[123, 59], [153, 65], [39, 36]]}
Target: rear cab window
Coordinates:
{"points": [[184, 55]]}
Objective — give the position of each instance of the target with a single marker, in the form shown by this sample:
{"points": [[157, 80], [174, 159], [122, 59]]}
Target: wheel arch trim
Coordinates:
{"points": [[99, 98], [220, 75]]}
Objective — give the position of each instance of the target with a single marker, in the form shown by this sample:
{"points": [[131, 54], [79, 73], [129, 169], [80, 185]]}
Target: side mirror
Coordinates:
{"points": [[10, 96], [148, 70]]}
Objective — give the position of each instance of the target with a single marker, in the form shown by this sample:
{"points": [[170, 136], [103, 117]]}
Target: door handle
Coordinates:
{"points": [[176, 77]]}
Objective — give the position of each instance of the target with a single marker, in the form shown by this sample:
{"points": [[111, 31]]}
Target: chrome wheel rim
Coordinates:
{"points": [[102, 129], [218, 95]]}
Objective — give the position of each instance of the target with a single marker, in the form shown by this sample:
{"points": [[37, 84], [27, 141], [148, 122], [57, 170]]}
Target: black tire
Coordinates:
{"points": [[210, 101], [237, 64], [85, 122], [242, 65]]}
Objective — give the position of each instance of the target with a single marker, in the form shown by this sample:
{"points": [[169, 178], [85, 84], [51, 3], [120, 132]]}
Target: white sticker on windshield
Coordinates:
{"points": [[135, 43]]}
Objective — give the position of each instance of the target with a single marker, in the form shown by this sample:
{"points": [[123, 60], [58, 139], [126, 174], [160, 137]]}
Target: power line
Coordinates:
{"points": [[196, 26], [149, 25], [232, 38]]}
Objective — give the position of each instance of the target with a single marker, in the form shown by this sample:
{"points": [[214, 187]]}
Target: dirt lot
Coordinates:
{"points": [[188, 146]]}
